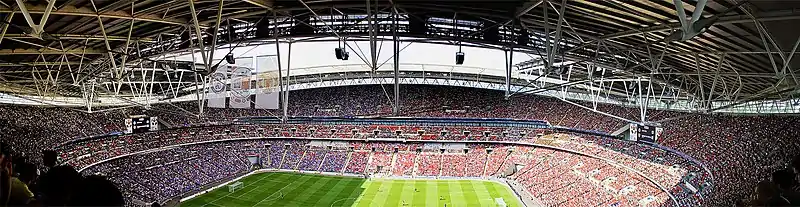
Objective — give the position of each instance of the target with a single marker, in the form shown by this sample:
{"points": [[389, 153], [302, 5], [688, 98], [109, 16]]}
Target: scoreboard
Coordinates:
{"points": [[645, 133], [141, 123]]}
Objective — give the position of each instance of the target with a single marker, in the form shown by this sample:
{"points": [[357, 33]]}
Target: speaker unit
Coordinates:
{"points": [[229, 58], [597, 73], [459, 58], [338, 52]]}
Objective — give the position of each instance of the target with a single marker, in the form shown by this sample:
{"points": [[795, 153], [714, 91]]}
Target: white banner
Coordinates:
{"points": [[216, 88], [240, 87], [634, 132], [267, 94], [153, 123], [128, 126]]}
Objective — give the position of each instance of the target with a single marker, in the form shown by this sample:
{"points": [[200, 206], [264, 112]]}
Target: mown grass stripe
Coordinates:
{"points": [[419, 198], [456, 194], [351, 198], [395, 196], [371, 192], [312, 194], [325, 191], [383, 193], [432, 194], [332, 189], [409, 192], [287, 191], [480, 191], [217, 194]]}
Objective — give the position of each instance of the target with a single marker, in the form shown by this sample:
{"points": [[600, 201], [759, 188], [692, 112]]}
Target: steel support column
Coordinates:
{"points": [[286, 92], [280, 69], [200, 99], [216, 31], [5, 26], [509, 58], [373, 46], [642, 104], [396, 57], [199, 37], [116, 71]]}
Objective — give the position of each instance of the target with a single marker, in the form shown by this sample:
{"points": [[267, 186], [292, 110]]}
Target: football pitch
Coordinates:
{"points": [[292, 189]]}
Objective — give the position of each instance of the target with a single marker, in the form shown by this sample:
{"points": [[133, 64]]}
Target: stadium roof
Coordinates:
{"points": [[729, 55]]}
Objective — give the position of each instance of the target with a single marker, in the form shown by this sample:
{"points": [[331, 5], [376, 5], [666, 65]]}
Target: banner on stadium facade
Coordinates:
{"points": [[128, 126], [240, 87], [267, 93], [217, 88], [153, 123], [634, 132], [244, 86], [266, 88]]}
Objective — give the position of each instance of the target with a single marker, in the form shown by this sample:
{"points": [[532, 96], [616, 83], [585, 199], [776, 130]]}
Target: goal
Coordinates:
{"points": [[235, 186]]}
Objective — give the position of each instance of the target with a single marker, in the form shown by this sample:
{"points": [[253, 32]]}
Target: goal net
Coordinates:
{"points": [[235, 186]]}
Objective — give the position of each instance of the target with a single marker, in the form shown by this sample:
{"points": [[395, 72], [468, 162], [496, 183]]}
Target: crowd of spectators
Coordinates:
{"points": [[739, 150], [24, 183], [157, 176], [780, 189]]}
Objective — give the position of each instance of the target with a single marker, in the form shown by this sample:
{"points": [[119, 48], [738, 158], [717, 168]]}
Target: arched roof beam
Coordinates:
{"points": [[88, 12]]}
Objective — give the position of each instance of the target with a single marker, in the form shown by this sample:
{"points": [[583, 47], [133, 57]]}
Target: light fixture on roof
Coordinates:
{"points": [[459, 56], [341, 52], [229, 58]]}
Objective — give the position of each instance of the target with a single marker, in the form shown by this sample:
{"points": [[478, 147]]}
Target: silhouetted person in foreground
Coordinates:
{"points": [[58, 185], [784, 180], [96, 190]]}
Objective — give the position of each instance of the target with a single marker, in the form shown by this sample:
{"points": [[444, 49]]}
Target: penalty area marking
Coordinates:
{"points": [[227, 195], [340, 200], [265, 198], [259, 180], [280, 195]]}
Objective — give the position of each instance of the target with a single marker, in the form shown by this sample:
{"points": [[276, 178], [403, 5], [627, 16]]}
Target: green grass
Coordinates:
{"points": [[291, 189]]}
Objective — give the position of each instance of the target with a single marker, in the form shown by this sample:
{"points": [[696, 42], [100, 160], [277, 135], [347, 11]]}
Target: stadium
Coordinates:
{"points": [[399, 103]]}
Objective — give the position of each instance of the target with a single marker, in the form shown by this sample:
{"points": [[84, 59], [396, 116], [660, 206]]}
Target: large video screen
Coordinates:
{"points": [[138, 124], [645, 133]]}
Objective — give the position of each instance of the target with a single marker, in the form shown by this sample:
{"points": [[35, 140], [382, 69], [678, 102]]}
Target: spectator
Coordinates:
{"points": [[783, 180], [20, 194], [97, 191], [58, 185], [765, 194]]}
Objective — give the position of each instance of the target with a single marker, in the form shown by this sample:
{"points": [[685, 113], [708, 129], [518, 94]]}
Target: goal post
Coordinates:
{"points": [[235, 186]]}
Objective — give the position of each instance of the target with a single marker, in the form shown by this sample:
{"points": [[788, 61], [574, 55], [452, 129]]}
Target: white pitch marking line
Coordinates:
{"points": [[221, 197], [270, 195]]}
